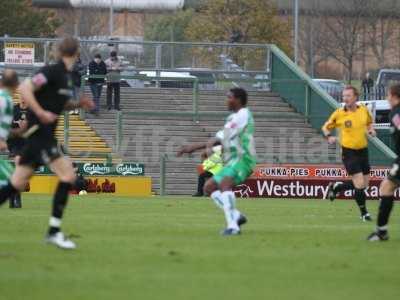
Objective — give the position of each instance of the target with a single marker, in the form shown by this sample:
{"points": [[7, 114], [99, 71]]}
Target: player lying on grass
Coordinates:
{"points": [[239, 158], [354, 122], [47, 95], [392, 182]]}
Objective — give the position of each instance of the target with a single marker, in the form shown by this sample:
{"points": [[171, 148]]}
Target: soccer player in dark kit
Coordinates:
{"points": [[47, 95], [389, 185], [16, 143]]}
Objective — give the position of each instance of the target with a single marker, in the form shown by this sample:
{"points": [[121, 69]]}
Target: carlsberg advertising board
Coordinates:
{"points": [[98, 169]]}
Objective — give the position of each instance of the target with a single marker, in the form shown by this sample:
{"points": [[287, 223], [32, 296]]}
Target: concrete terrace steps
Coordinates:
{"points": [[83, 140], [146, 137]]}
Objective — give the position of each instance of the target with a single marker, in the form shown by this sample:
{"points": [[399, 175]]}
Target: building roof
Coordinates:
{"points": [[334, 7]]}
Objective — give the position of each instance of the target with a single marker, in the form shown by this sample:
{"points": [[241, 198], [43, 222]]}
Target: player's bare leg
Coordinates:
{"points": [[64, 170], [17, 183], [15, 201]]}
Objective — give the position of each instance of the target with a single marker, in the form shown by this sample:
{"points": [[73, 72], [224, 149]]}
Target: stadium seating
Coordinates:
{"points": [[147, 136], [84, 143]]}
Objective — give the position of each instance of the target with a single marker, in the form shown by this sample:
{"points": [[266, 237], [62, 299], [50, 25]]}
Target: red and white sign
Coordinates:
{"points": [[303, 181], [19, 53]]}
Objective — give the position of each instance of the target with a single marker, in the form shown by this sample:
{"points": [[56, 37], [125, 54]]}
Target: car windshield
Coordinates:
{"points": [[389, 79], [330, 85]]}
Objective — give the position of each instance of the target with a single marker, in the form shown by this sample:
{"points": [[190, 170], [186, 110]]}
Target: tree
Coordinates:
{"points": [[238, 21], [380, 30], [168, 27], [19, 18], [245, 21], [343, 33], [84, 22]]}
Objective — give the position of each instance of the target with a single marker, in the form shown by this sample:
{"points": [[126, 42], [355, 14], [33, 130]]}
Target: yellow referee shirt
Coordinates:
{"points": [[352, 126]]}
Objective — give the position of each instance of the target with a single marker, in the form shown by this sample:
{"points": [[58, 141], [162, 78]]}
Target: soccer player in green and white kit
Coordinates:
{"points": [[239, 158], [8, 84]]}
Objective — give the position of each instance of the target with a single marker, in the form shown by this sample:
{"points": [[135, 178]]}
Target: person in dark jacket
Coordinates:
{"points": [[367, 86], [97, 67], [78, 71]]}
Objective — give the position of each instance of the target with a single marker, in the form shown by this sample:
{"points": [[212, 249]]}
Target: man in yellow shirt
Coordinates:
{"points": [[354, 122], [210, 166]]}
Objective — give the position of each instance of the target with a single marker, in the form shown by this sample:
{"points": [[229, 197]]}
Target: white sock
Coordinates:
{"points": [[216, 196], [54, 222], [231, 213]]}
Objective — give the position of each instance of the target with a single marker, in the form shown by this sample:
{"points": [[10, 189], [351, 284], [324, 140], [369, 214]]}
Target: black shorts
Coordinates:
{"points": [[15, 146], [39, 151], [356, 161]]}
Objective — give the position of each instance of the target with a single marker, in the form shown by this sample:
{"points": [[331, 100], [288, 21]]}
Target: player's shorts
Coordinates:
{"points": [[394, 173], [15, 146], [39, 151], [356, 161], [239, 171], [6, 169]]}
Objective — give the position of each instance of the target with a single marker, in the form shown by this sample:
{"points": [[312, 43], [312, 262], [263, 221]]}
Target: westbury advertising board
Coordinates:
{"points": [[303, 181]]}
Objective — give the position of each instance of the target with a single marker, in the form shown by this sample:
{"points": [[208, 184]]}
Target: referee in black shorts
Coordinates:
{"points": [[354, 122], [47, 95]]}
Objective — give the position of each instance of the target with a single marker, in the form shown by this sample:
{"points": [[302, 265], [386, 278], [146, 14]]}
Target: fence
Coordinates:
{"points": [[235, 60], [252, 65], [309, 99]]}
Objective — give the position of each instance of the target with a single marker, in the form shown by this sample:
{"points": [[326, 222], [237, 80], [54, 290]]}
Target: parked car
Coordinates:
{"points": [[380, 110], [261, 85], [177, 79], [332, 87], [385, 79], [207, 78]]}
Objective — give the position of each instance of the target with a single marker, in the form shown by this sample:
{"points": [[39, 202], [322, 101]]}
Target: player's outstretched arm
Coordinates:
{"points": [[188, 149]]}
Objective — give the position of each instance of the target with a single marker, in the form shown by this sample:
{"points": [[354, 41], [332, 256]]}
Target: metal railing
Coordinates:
{"points": [[159, 56], [195, 113], [311, 100]]}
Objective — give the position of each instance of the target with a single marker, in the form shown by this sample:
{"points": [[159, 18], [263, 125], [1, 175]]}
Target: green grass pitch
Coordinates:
{"points": [[171, 249]]}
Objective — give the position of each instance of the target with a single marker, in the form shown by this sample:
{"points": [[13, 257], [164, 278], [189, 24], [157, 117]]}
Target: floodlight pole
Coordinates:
{"points": [[296, 31], [111, 18]]}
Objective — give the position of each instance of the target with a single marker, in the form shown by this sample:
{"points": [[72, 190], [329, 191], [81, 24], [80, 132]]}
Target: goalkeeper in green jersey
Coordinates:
{"points": [[239, 152]]}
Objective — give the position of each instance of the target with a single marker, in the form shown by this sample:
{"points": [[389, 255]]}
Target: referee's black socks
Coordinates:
{"points": [[59, 202], [345, 186], [6, 192], [385, 208], [361, 198]]}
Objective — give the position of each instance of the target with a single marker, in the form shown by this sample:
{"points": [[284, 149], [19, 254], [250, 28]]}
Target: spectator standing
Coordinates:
{"points": [[367, 86], [97, 67], [113, 80], [78, 71]]}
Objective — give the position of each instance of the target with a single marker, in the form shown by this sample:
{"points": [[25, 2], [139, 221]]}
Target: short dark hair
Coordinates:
{"points": [[9, 79], [68, 46], [98, 55], [395, 90], [353, 88], [241, 94], [113, 53]]}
